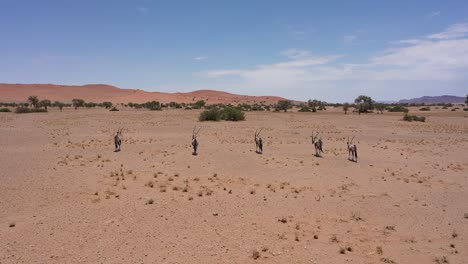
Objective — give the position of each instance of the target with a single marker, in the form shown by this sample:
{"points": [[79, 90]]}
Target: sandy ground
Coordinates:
{"points": [[66, 197]]}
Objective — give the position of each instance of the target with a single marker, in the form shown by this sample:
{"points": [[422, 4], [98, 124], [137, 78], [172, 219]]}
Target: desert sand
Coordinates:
{"points": [[102, 92], [66, 197]]}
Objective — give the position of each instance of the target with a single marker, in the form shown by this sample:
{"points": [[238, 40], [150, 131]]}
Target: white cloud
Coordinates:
{"points": [[200, 58], [440, 58], [454, 31]]}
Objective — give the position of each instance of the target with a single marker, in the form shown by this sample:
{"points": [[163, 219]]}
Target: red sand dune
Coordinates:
{"points": [[101, 92]]}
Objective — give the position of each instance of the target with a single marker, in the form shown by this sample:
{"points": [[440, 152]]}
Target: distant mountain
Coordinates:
{"points": [[435, 100], [101, 93]]}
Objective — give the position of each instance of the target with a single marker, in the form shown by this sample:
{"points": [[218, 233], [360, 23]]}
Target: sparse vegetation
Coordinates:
{"points": [[305, 108], [283, 105], [5, 110], [410, 118], [232, 114], [380, 108], [25, 110], [199, 104], [228, 114], [114, 109], [425, 109], [398, 108], [34, 101], [107, 105], [210, 115], [45, 104], [78, 103], [441, 260], [364, 104], [346, 108]]}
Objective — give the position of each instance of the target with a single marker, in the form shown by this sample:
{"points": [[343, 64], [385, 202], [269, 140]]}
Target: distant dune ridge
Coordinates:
{"points": [[102, 92], [448, 99]]}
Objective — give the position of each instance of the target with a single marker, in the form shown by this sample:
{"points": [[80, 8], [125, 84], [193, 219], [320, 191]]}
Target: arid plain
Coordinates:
{"points": [[66, 197]]}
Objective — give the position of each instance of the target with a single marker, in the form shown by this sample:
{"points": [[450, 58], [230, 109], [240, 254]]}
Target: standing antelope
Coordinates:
{"points": [[258, 141], [352, 150], [118, 139], [318, 144], [194, 140]]}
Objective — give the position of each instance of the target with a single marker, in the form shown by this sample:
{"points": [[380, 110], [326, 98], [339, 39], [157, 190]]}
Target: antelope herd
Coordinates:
{"points": [[316, 141]]}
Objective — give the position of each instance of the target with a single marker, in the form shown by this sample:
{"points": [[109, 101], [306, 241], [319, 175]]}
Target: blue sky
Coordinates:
{"points": [[328, 50]]}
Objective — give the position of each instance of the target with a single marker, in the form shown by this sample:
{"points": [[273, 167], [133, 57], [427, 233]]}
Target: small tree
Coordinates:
{"points": [[466, 99], [364, 103], [34, 101], [284, 105], [78, 103], [45, 103], [199, 104], [345, 108], [380, 107], [107, 105], [58, 104]]}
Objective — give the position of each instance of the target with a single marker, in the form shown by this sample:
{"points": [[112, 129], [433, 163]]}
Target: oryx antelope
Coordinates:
{"points": [[258, 141], [352, 150], [194, 140], [118, 139], [318, 144]]}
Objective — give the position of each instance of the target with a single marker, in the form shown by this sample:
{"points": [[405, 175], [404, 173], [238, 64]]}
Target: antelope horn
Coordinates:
{"points": [[260, 131], [352, 140]]}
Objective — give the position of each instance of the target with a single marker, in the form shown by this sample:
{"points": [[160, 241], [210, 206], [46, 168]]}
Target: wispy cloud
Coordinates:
{"points": [[142, 9], [433, 14], [454, 31], [349, 38], [200, 58]]}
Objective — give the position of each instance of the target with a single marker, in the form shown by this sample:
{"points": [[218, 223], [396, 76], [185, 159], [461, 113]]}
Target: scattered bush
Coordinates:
{"points": [[425, 109], [210, 115], [305, 109], [114, 109], [5, 110], [199, 104], [410, 118], [398, 108], [107, 105], [78, 103], [232, 114], [24, 110], [228, 114], [283, 105], [465, 109]]}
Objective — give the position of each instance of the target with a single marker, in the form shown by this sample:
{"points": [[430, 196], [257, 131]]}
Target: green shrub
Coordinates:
{"points": [[24, 110], [465, 109], [114, 109], [305, 109], [228, 114], [410, 118], [425, 109], [398, 108], [232, 114], [210, 115], [5, 110]]}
